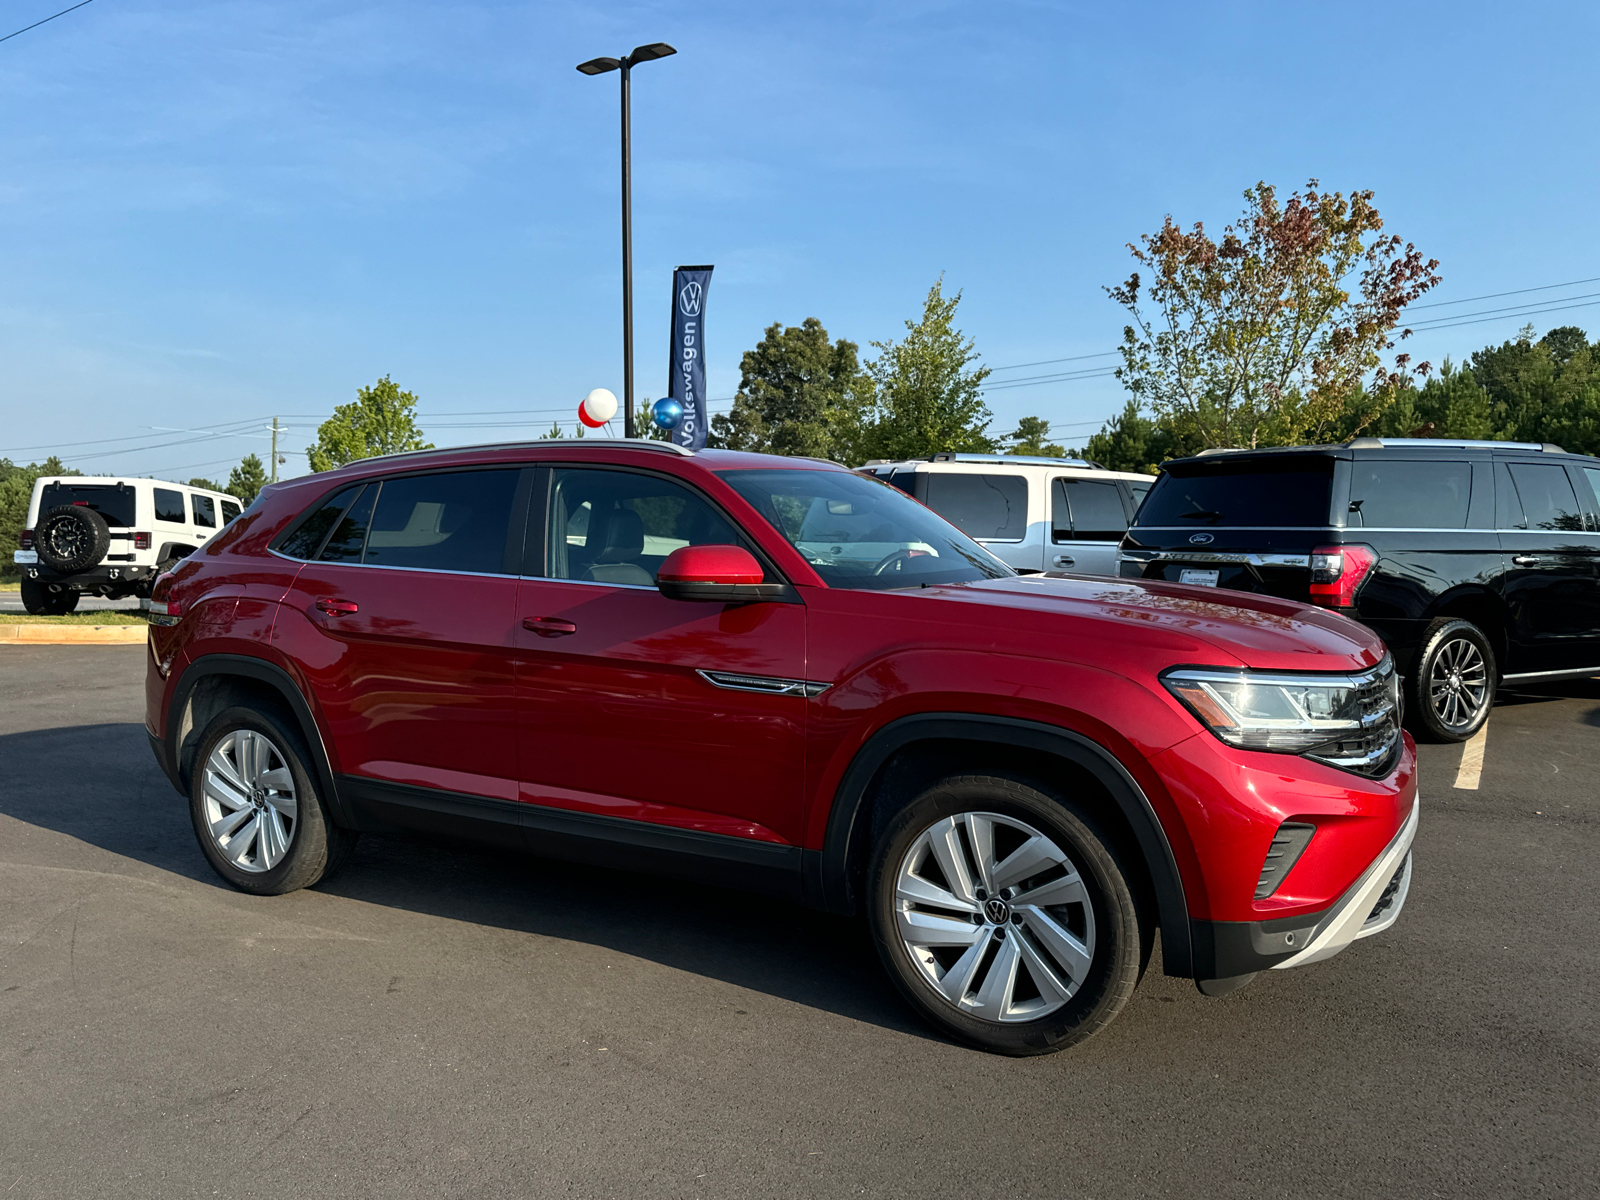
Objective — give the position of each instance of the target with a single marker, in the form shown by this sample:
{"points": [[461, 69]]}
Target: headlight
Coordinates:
{"points": [[1347, 720]]}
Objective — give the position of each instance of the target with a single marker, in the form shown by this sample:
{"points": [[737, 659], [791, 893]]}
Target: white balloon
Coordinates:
{"points": [[601, 405]]}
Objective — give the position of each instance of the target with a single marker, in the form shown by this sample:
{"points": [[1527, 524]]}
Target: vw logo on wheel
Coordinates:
{"points": [[689, 299], [1199, 539], [996, 910]]}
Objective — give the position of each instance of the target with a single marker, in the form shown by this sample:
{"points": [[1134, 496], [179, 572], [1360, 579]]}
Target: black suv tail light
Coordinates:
{"points": [[25, 539], [1336, 573]]}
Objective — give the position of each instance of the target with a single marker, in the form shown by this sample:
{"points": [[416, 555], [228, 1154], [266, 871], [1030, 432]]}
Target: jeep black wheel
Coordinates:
{"points": [[1452, 688], [1004, 915], [257, 813], [72, 538], [39, 601]]}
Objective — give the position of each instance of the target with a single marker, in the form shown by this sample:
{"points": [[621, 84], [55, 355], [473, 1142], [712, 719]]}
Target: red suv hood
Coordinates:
{"points": [[1256, 631]]}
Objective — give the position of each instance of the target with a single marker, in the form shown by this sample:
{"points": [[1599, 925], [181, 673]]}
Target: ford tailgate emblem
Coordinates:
{"points": [[1199, 539]]}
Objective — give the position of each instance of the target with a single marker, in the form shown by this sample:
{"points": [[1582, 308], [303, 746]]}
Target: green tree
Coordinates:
{"points": [[1268, 336], [247, 479], [1029, 438], [799, 393], [644, 424], [1131, 441], [927, 395], [382, 420], [210, 485], [16, 490]]}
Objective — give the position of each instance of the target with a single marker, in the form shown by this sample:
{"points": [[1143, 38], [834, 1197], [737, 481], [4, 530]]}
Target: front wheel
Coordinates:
{"points": [[256, 810], [1452, 688], [1004, 915]]}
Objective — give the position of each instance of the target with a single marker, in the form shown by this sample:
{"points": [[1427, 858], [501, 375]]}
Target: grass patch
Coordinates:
{"points": [[10, 587], [83, 618]]}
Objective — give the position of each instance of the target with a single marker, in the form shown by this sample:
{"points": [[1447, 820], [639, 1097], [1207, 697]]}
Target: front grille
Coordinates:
{"points": [[1373, 751]]}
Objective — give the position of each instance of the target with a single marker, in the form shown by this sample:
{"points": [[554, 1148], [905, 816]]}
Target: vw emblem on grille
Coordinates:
{"points": [[997, 910], [689, 300], [1200, 539]]}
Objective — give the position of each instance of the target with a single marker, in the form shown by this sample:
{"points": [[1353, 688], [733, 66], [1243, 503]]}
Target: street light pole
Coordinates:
{"points": [[599, 66]]}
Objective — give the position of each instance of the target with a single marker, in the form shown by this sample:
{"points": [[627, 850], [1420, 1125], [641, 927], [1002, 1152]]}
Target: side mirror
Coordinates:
{"points": [[724, 574]]}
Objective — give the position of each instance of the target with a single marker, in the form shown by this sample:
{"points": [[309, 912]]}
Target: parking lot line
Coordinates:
{"points": [[1472, 760]]}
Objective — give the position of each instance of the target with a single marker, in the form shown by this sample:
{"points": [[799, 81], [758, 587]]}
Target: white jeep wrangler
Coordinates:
{"points": [[1034, 514], [110, 537]]}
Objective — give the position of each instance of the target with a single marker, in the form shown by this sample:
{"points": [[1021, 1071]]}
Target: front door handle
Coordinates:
{"points": [[1065, 560], [337, 608], [1524, 560], [549, 626]]}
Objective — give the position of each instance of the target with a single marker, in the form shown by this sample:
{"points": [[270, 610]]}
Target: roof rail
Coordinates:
{"points": [[1015, 459], [1374, 443], [596, 443]]}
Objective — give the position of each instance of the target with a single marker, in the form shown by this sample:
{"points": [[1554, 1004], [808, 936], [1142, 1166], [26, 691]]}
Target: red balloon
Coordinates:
{"points": [[583, 415]]}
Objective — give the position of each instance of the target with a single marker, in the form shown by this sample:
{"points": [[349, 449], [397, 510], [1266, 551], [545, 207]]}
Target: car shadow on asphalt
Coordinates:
{"points": [[1522, 695], [99, 784]]}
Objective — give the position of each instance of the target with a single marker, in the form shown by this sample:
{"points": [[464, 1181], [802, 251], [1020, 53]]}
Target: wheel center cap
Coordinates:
{"points": [[996, 910]]}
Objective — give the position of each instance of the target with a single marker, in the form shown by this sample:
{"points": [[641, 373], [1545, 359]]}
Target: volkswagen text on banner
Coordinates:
{"points": [[688, 370]]}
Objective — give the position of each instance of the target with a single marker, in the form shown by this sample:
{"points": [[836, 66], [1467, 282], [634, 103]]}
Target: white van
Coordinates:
{"points": [[107, 536], [1035, 514]]}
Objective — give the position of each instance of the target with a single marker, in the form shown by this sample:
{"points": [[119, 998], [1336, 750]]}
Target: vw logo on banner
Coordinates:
{"points": [[1200, 539], [689, 299]]}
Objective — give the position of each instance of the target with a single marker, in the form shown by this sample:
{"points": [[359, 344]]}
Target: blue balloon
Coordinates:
{"points": [[667, 413]]}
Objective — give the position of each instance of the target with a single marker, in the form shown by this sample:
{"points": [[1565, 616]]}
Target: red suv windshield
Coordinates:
{"points": [[859, 533]]}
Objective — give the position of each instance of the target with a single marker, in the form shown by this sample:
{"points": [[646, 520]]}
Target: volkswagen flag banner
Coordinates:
{"points": [[688, 371]]}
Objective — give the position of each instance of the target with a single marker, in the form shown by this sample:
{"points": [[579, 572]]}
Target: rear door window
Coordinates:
{"points": [[113, 501], [205, 510], [169, 506], [1277, 493], [1548, 501], [1087, 510], [1409, 494], [988, 507], [454, 521]]}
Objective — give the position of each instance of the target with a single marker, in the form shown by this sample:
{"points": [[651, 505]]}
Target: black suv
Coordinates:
{"points": [[1478, 562]]}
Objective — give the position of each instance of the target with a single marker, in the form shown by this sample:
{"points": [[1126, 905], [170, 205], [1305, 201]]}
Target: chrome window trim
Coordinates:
{"points": [[366, 566], [633, 587]]}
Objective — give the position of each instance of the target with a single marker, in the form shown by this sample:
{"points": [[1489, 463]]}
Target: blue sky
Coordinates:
{"points": [[214, 212]]}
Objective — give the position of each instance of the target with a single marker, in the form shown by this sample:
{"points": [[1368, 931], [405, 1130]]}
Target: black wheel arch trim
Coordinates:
{"points": [[831, 873], [275, 677]]}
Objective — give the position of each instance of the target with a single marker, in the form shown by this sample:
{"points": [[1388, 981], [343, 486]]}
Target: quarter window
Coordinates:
{"points": [[308, 536], [1548, 501], [169, 506], [457, 521], [1401, 494], [205, 510], [1087, 510], [349, 536], [991, 508], [618, 526], [230, 510]]}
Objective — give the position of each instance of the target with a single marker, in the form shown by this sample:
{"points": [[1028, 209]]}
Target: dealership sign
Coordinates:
{"points": [[687, 381]]}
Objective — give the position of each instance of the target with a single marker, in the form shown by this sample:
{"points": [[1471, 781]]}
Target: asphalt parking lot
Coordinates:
{"points": [[441, 1021]]}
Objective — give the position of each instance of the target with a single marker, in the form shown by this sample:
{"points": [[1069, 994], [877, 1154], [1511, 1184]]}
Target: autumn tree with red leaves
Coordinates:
{"points": [[1274, 334]]}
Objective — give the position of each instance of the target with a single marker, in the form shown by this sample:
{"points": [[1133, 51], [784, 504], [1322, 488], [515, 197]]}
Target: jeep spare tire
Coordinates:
{"points": [[72, 538]]}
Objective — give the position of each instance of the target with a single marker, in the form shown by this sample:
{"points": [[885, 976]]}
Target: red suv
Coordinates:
{"points": [[778, 674]]}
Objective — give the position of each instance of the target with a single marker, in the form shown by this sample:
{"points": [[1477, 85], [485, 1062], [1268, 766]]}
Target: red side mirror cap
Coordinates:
{"points": [[726, 574]]}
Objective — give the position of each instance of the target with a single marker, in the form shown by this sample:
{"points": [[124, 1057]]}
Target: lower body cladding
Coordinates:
{"points": [[1238, 950]]}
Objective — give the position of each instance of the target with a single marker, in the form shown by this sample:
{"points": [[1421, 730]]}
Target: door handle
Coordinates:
{"points": [[549, 626], [1065, 560], [337, 608], [1524, 560]]}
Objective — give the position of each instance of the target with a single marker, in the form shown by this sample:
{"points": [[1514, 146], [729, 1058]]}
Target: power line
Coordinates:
{"points": [[1531, 309], [46, 21], [1512, 316], [222, 431], [1496, 295], [1047, 361]]}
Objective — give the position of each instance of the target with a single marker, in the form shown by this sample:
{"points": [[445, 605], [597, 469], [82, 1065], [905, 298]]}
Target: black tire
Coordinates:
{"points": [[39, 601], [1121, 939], [316, 846], [72, 538], [1451, 691]]}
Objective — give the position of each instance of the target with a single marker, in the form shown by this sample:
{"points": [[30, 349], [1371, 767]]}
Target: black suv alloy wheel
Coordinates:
{"points": [[1452, 688]]}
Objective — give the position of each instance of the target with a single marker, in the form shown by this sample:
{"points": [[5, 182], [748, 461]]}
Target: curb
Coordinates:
{"points": [[73, 635]]}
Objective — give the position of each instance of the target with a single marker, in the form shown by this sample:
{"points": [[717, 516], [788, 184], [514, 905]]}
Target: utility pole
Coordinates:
{"points": [[274, 449]]}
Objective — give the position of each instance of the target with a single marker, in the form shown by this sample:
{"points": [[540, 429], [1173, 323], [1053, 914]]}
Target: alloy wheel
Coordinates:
{"points": [[995, 916], [1458, 683], [250, 804]]}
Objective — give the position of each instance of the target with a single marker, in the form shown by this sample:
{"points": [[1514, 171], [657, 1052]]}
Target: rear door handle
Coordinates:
{"points": [[1524, 560], [337, 608], [549, 626]]}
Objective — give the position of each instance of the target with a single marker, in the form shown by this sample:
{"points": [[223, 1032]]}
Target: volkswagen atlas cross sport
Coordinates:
{"points": [[635, 656]]}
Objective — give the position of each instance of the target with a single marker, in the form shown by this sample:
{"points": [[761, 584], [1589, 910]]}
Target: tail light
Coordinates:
{"points": [[163, 610], [141, 541], [1337, 573], [25, 539]]}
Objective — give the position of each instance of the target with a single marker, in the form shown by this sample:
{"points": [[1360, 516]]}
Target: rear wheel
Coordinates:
{"points": [[1004, 915], [256, 810], [1452, 689]]}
